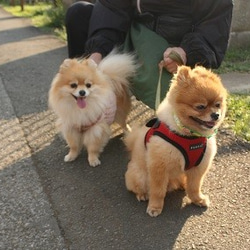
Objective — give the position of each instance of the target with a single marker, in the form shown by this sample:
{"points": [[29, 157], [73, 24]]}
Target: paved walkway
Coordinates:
{"points": [[48, 204], [237, 82]]}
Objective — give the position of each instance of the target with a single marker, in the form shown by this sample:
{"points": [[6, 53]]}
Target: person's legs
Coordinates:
{"points": [[77, 24]]}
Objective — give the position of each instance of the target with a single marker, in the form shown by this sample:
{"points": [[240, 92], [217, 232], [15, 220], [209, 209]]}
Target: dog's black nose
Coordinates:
{"points": [[82, 93], [215, 116]]}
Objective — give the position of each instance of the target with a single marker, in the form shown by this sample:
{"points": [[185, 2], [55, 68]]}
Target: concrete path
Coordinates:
{"points": [[236, 82], [48, 204]]}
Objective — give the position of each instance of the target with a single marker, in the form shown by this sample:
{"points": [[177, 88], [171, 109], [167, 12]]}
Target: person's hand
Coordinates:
{"points": [[96, 57], [170, 64]]}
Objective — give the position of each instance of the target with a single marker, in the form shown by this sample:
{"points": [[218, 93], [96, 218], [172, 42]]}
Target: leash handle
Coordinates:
{"points": [[176, 57]]}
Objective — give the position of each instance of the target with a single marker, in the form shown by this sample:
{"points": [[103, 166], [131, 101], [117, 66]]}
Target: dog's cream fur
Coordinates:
{"points": [[195, 97], [102, 92]]}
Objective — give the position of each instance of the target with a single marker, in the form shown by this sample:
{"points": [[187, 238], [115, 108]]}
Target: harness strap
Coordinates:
{"points": [[192, 148]]}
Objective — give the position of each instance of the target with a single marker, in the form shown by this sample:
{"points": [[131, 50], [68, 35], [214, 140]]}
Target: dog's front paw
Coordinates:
{"points": [[94, 161], [202, 201], [70, 157], [154, 212]]}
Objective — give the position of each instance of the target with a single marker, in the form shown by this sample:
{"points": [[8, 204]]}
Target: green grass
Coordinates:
{"points": [[236, 60], [30, 11], [238, 115], [50, 18], [43, 15]]}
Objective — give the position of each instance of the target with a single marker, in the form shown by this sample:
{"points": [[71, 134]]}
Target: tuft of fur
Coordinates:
{"points": [[194, 105], [87, 98], [118, 66]]}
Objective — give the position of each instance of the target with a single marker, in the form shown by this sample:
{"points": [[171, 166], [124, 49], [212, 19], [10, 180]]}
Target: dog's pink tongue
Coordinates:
{"points": [[210, 124], [81, 103]]}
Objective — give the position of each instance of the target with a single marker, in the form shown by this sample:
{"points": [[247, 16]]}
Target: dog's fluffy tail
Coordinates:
{"points": [[120, 67]]}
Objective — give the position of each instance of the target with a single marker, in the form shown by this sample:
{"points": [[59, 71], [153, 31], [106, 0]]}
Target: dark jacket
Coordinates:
{"points": [[201, 28]]}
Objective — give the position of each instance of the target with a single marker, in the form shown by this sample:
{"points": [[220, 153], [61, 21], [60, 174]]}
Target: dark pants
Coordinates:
{"points": [[77, 25]]}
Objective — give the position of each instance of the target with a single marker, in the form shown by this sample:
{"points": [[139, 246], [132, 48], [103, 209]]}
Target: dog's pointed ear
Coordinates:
{"points": [[66, 64], [183, 74]]}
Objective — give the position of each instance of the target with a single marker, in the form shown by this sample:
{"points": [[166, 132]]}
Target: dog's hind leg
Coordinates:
{"points": [[136, 181], [123, 109]]}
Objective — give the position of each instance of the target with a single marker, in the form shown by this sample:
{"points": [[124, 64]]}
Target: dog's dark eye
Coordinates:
{"points": [[88, 85], [73, 85], [217, 105], [201, 107]]}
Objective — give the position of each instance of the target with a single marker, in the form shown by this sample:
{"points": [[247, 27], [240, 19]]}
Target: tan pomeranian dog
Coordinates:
{"points": [[176, 149], [88, 98]]}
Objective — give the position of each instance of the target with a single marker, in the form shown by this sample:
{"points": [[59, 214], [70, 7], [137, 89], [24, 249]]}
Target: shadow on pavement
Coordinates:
{"points": [[93, 207], [18, 34]]}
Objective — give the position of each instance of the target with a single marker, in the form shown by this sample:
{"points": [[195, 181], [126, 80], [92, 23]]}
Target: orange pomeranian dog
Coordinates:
{"points": [[88, 98], [176, 149]]}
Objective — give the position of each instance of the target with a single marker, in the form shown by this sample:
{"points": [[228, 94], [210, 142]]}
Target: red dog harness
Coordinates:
{"points": [[191, 147]]}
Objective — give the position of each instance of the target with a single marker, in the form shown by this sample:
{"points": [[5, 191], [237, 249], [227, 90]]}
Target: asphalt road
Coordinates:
{"points": [[46, 203]]}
